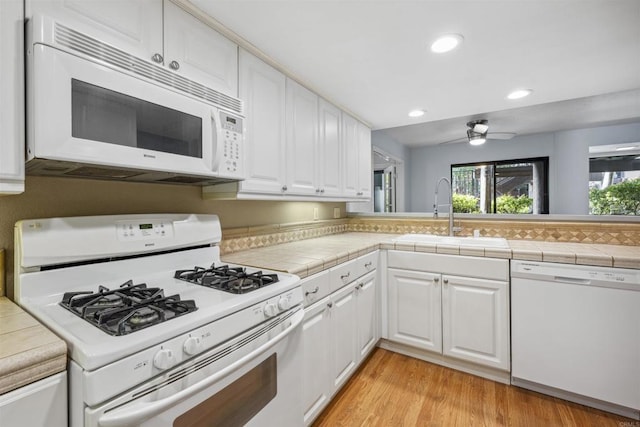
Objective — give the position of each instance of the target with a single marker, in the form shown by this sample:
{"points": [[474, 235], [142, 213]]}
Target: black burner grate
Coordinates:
{"points": [[229, 279], [126, 309]]}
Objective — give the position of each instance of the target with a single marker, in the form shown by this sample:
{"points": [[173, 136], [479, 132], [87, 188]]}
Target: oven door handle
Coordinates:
{"points": [[136, 413]]}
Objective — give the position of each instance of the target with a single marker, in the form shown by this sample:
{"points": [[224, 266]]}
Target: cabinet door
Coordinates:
{"points": [[12, 97], [475, 316], [366, 311], [414, 309], [132, 26], [316, 379], [262, 88], [365, 174], [351, 159], [330, 149], [198, 52], [343, 330], [302, 139]]}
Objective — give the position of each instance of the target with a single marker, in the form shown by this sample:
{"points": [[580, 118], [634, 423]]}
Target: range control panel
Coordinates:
{"points": [[144, 230]]}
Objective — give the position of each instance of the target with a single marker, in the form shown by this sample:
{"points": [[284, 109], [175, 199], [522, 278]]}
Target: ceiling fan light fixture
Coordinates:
{"points": [[519, 93], [416, 113], [446, 43], [476, 138]]}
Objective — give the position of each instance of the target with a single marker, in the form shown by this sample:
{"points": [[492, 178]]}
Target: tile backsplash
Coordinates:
{"points": [[234, 240]]}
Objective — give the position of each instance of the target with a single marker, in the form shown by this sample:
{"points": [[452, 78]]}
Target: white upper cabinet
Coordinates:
{"points": [[357, 170], [365, 173], [12, 97], [262, 88], [302, 140], [198, 52], [156, 31], [132, 26], [330, 150], [351, 147]]}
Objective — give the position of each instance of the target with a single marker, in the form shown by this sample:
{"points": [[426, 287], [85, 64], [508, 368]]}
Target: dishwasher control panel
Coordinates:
{"points": [[577, 274]]}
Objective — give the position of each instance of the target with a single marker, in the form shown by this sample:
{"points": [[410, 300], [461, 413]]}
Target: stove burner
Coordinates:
{"points": [[126, 309], [230, 279], [143, 316]]}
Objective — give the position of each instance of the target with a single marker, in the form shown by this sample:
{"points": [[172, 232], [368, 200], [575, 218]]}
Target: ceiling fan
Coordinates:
{"points": [[478, 133]]}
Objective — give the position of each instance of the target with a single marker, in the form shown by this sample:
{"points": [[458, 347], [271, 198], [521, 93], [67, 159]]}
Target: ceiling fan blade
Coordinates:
{"points": [[501, 135], [464, 138]]}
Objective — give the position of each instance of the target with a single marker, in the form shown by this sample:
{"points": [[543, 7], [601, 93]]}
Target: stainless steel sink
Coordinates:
{"points": [[488, 242]]}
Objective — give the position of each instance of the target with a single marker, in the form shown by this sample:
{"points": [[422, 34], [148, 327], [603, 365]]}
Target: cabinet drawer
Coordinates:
{"points": [[315, 287], [366, 263], [343, 273]]}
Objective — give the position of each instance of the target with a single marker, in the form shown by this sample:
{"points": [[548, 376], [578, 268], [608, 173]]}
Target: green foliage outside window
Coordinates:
{"points": [[617, 199], [508, 204], [465, 203]]}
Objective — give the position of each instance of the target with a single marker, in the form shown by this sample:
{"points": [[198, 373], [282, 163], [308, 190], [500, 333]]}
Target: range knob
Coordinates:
{"points": [[283, 304], [270, 310], [192, 345], [163, 359]]}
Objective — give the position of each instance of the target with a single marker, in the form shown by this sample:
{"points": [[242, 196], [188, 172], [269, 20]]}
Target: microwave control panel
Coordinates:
{"points": [[232, 142]]}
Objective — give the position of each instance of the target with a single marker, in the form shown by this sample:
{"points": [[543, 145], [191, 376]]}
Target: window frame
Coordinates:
{"points": [[495, 163]]}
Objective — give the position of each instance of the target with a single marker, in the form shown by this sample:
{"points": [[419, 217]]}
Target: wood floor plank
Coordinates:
{"points": [[391, 389]]}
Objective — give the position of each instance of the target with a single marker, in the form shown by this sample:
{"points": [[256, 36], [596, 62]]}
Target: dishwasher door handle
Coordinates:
{"points": [[574, 280]]}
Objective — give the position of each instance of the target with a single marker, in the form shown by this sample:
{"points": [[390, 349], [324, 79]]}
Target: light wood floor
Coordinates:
{"points": [[395, 390]]}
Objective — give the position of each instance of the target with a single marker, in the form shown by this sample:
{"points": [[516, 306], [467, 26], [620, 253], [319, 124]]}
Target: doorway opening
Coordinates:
{"points": [[386, 195]]}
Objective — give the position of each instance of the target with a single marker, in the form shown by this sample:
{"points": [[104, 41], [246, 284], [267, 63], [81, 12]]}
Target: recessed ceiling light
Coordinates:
{"points": [[416, 113], [446, 43], [520, 93]]}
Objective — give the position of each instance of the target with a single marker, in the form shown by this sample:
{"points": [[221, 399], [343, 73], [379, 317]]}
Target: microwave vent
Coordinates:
{"points": [[103, 52]]}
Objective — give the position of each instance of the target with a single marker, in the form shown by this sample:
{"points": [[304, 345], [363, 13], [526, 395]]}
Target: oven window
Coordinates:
{"points": [[237, 403], [99, 114]]}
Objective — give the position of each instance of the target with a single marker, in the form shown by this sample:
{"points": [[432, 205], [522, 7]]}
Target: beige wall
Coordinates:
{"points": [[57, 197]]}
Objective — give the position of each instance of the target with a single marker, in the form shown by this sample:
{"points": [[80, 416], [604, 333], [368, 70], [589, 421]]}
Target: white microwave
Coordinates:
{"points": [[94, 111]]}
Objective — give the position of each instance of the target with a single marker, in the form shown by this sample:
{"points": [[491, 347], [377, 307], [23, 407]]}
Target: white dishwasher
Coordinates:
{"points": [[575, 333]]}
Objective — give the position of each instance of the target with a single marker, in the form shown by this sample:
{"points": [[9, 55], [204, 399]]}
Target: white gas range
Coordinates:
{"points": [[159, 331]]}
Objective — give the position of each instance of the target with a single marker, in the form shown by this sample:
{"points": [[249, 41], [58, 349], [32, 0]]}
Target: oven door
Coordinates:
{"points": [[251, 380]]}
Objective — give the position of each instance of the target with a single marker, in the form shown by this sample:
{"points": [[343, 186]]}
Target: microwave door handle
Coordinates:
{"points": [[138, 412], [217, 139]]}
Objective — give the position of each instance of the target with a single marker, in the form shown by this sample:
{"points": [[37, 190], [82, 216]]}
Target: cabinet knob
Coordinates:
{"points": [[369, 264], [445, 281], [317, 190], [322, 190], [436, 279], [157, 58], [329, 304], [174, 65], [284, 188]]}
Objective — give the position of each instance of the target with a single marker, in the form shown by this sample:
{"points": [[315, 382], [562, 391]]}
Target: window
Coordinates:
{"points": [[614, 185], [507, 186]]}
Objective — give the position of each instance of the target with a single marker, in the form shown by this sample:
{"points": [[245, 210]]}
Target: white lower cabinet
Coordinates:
{"points": [[455, 316], [317, 384], [414, 309], [42, 403], [475, 320], [339, 330]]}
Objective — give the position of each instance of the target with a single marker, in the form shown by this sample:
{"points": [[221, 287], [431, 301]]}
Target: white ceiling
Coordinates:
{"points": [[372, 57]]}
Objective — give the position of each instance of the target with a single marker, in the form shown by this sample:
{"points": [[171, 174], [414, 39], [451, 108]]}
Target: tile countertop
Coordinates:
{"points": [[28, 350], [307, 257]]}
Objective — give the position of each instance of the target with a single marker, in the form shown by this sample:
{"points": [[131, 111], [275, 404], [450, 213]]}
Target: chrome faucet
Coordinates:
{"points": [[435, 204]]}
